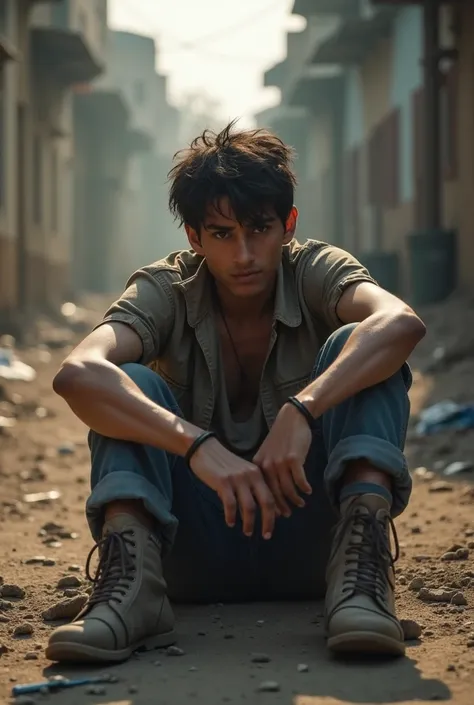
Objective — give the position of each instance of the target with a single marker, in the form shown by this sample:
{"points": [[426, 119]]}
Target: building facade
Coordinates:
{"points": [[379, 169], [46, 48], [126, 133]]}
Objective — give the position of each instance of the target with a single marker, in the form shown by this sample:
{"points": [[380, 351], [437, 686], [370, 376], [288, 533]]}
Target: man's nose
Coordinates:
{"points": [[242, 254]]}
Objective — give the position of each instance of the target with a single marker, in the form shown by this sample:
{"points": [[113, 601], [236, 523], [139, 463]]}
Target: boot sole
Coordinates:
{"points": [[369, 643], [82, 653]]}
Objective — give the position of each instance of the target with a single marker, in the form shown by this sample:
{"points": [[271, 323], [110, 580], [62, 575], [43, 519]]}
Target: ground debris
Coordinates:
{"points": [[65, 609]]}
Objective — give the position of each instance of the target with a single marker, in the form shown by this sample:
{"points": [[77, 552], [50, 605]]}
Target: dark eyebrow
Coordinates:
{"points": [[222, 228]]}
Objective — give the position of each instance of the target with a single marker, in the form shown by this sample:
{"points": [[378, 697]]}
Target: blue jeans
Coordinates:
{"points": [[206, 561]]}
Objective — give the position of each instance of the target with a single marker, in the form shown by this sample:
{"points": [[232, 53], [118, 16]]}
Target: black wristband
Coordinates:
{"points": [[304, 411], [197, 443]]}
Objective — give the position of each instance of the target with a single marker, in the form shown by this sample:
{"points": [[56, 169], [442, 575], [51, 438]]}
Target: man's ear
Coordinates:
{"points": [[290, 227], [194, 239]]}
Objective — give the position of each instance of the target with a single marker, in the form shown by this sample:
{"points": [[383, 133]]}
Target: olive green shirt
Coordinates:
{"points": [[169, 305]]}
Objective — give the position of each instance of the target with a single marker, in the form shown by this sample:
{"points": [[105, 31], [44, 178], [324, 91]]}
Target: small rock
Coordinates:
{"points": [[470, 643], [69, 581], [71, 592], [269, 687], [451, 667], [31, 656], [75, 568], [441, 595], [96, 690], [462, 554], [6, 605], [440, 487], [302, 668], [193, 669], [49, 562], [14, 591], [4, 649], [157, 663], [65, 609], [411, 629], [449, 556], [229, 636], [36, 560], [25, 629], [402, 580], [416, 584], [260, 658], [260, 622], [132, 689], [458, 599], [174, 651]]}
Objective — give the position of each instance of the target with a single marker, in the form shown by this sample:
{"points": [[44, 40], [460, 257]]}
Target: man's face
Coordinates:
{"points": [[243, 258]]}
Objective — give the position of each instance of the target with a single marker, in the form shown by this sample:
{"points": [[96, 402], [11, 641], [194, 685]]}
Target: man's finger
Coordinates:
{"points": [[229, 503], [288, 487], [299, 477], [266, 502], [274, 485], [247, 507]]}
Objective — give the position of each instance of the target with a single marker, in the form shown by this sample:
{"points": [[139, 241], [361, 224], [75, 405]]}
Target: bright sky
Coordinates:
{"points": [[220, 47]]}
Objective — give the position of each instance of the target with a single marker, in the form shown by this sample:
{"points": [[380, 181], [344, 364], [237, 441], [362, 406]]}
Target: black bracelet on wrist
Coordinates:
{"points": [[197, 443], [304, 411]]}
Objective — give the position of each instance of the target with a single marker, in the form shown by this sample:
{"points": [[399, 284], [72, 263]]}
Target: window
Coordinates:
{"points": [[37, 180]]}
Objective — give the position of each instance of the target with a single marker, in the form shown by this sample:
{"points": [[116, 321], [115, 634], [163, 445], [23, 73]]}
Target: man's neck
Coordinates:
{"points": [[252, 308]]}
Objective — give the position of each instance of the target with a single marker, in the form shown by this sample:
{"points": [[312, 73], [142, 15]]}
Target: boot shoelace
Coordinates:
{"points": [[371, 553], [115, 570]]}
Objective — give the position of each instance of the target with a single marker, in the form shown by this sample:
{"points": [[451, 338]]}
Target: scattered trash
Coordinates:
{"points": [[36, 497], [445, 416], [11, 367], [66, 449], [7, 422], [457, 468], [56, 684]]}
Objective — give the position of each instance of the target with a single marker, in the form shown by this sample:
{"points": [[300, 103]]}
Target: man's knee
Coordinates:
{"points": [[333, 345]]}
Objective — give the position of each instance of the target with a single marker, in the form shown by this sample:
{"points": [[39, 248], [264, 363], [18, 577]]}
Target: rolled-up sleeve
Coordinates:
{"points": [[147, 306], [328, 272]]}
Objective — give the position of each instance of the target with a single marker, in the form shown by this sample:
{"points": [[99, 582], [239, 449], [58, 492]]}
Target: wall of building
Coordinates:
{"points": [[466, 143]]}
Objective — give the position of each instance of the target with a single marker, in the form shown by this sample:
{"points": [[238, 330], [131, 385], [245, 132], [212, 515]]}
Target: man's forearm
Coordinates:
{"points": [[110, 403], [375, 351]]}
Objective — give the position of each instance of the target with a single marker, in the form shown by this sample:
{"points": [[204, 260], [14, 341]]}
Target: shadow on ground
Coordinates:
{"points": [[217, 666]]}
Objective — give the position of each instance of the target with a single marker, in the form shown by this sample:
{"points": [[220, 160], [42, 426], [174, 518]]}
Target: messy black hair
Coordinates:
{"points": [[252, 168]]}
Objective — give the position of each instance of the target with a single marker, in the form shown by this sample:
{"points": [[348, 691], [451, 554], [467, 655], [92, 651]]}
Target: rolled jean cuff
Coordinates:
{"points": [[123, 484], [380, 453]]}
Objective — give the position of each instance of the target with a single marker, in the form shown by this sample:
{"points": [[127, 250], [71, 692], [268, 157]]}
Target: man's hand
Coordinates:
{"points": [[238, 483], [281, 458]]}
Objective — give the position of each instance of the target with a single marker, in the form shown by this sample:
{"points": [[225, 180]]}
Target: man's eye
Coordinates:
{"points": [[260, 229], [221, 235]]}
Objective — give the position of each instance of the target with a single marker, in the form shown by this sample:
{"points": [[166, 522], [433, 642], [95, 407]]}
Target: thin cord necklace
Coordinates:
{"points": [[243, 374]]}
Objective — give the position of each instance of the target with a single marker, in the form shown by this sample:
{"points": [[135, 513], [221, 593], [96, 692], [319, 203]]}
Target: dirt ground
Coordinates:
{"points": [[43, 542]]}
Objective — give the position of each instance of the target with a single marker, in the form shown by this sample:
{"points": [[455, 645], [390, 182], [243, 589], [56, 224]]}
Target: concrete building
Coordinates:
{"points": [[122, 220], [45, 47], [395, 167]]}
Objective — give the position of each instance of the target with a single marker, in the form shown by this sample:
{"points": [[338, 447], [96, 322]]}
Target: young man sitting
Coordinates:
{"points": [[243, 397]]}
